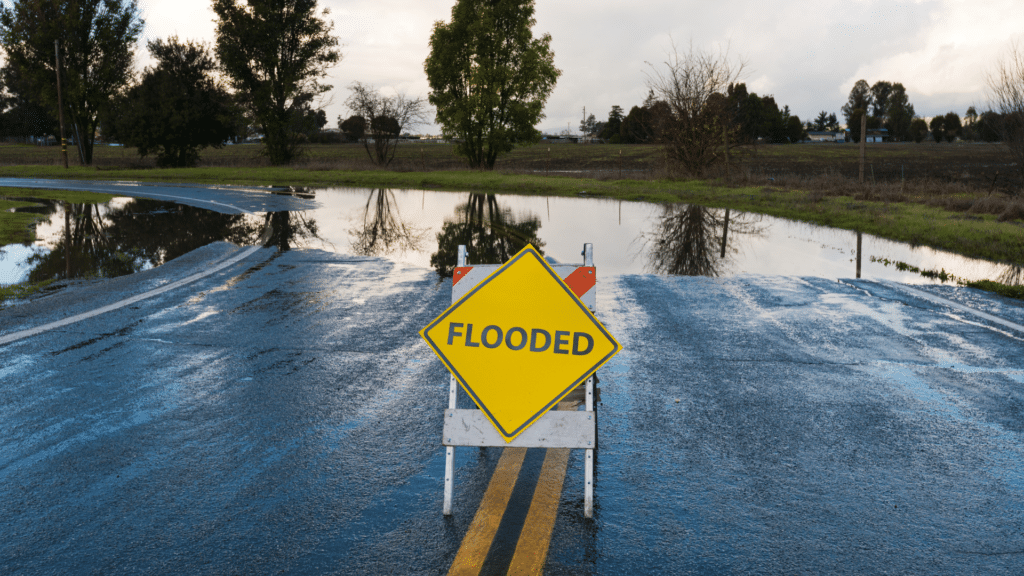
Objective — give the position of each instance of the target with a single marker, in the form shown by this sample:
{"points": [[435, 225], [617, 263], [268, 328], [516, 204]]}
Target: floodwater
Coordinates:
{"points": [[424, 228]]}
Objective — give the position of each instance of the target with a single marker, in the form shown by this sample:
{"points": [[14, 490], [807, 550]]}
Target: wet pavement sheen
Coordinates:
{"points": [[284, 416]]}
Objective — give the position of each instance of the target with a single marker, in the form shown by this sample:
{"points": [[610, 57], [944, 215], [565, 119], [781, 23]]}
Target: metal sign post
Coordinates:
{"points": [[519, 338]]}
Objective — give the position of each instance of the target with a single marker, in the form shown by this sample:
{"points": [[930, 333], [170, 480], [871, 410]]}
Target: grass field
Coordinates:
{"points": [[974, 164]]}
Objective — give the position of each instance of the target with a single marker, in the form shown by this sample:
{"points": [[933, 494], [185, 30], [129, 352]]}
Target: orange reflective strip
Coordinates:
{"points": [[582, 280]]}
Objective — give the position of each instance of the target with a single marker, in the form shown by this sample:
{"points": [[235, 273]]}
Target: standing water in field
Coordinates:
{"points": [[425, 228]]}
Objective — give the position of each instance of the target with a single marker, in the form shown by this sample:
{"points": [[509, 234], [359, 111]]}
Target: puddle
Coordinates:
{"points": [[424, 229]]}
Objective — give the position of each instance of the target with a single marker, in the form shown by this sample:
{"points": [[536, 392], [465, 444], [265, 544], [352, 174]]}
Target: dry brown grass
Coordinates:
{"points": [[952, 195], [1013, 211]]}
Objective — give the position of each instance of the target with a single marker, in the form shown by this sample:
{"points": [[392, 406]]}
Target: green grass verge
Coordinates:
{"points": [[975, 236], [20, 291], [15, 227]]}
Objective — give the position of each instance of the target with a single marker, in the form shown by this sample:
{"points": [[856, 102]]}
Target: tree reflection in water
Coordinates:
{"points": [[106, 242], [490, 232], [288, 230], [691, 240], [383, 231], [85, 248]]}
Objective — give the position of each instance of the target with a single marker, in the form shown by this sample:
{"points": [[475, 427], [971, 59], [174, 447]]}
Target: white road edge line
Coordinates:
{"points": [[940, 300], [127, 302]]}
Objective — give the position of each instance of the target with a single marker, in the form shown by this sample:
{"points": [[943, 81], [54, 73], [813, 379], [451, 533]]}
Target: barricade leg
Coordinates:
{"points": [[588, 491], [449, 458], [588, 461], [449, 477]]}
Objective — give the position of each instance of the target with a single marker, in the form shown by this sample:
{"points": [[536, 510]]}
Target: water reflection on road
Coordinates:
{"points": [[424, 229]]}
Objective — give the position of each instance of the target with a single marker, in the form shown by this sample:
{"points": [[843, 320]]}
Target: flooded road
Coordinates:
{"points": [[282, 415]]}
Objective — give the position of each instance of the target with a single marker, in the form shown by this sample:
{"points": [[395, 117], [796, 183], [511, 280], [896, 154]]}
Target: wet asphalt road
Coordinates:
{"points": [[282, 415]]}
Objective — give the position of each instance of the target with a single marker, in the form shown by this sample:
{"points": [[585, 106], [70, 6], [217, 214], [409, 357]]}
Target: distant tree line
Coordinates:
{"points": [[489, 80], [887, 106], [754, 119]]}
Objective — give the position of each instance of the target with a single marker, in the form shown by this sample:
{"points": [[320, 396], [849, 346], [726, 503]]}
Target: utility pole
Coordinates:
{"points": [[60, 106], [863, 140], [725, 140]]}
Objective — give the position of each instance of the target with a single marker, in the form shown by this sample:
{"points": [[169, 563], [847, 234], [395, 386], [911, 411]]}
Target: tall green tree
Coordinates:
{"points": [[489, 77], [588, 125], [880, 92], [936, 126], [640, 125], [795, 131], [971, 116], [989, 126], [97, 43], [177, 109], [275, 53], [833, 123], [307, 122], [353, 128], [743, 111], [610, 130], [899, 113], [20, 117], [951, 126], [858, 104], [634, 128], [918, 130], [820, 121], [759, 118], [774, 122]]}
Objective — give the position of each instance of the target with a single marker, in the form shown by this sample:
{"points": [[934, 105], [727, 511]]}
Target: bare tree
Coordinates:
{"points": [[1006, 95], [695, 126], [386, 118]]}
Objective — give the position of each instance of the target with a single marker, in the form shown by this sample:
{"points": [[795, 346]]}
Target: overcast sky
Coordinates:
{"points": [[807, 53]]}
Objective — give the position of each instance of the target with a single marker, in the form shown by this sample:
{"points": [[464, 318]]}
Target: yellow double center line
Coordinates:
{"points": [[535, 537]]}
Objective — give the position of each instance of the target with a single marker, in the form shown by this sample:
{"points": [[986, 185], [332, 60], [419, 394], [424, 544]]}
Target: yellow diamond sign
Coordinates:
{"points": [[519, 342]]}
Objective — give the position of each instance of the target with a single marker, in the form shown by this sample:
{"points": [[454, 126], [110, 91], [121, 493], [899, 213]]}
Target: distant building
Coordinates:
{"points": [[873, 135], [559, 139], [877, 135], [818, 136]]}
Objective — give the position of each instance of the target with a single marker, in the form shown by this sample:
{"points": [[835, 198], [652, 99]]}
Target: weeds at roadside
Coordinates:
{"points": [[1010, 291], [22, 291], [1016, 292]]}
